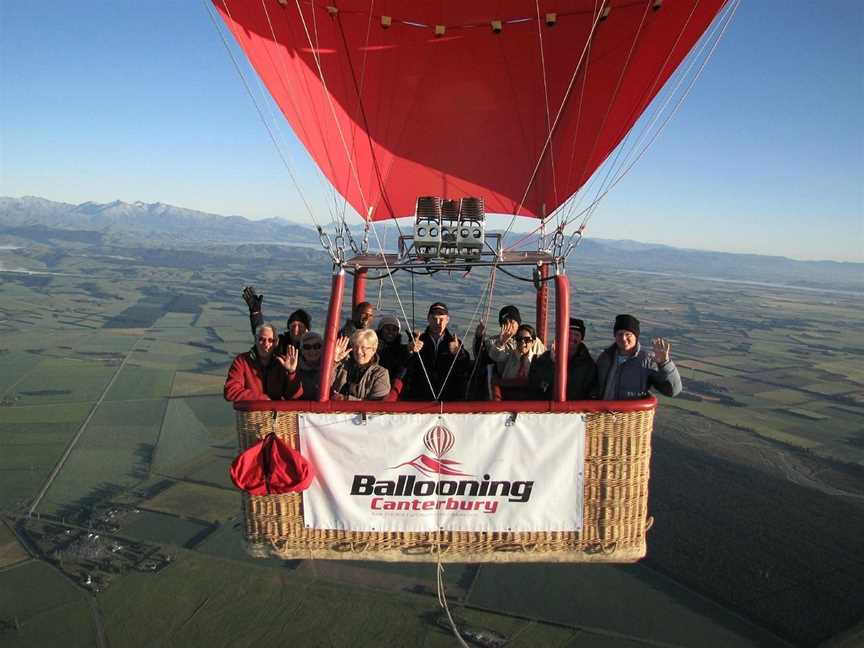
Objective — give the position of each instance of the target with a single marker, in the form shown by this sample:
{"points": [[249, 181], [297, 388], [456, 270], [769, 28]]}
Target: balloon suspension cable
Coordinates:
{"points": [[554, 126], [718, 31], [316, 56], [612, 98], [620, 148], [721, 27], [210, 12], [546, 102], [579, 194], [442, 594], [487, 296], [474, 318], [383, 257], [284, 78], [399, 302]]}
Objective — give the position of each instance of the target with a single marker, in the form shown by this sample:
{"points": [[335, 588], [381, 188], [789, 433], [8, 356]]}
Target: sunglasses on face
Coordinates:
{"points": [[265, 339], [525, 339], [312, 347]]}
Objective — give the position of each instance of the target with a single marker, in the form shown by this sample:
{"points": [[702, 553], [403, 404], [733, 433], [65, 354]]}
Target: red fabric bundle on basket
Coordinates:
{"points": [[271, 467]]}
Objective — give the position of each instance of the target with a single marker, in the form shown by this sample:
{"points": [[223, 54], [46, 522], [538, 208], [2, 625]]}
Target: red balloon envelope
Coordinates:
{"points": [[391, 111], [270, 467]]}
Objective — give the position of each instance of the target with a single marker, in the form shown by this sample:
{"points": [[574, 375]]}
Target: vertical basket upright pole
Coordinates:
{"points": [[543, 303], [337, 287], [562, 333], [358, 295]]}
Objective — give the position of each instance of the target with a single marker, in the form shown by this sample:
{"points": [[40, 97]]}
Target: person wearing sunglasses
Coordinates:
{"points": [[392, 351], [581, 369], [358, 376], [309, 366], [514, 377], [263, 374]]}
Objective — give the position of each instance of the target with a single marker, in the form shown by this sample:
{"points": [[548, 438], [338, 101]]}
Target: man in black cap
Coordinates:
{"points": [[298, 323], [625, 371], [581, 369], [438, 354]]}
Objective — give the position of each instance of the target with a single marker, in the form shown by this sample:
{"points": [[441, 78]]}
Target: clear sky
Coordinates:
{"points": [[129, 100]]}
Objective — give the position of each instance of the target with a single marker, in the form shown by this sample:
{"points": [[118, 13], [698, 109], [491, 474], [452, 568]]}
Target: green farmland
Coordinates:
{"points": [[112, 423]]}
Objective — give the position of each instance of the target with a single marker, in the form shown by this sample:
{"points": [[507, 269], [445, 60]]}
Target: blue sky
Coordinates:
{"points": [[139, 101]]}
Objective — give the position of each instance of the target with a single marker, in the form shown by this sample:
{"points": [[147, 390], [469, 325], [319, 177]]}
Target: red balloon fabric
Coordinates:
{"points": [[431, 98], [271, 467]]}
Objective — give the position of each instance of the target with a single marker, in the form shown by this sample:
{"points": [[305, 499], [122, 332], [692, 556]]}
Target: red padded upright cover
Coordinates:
{"points": [[270, 467]]}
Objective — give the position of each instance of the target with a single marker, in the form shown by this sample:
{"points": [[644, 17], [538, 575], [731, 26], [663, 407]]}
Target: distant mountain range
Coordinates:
{"points": [[161, 225]]}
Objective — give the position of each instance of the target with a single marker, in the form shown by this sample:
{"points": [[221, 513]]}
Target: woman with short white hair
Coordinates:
{"points": [[358, 376]]}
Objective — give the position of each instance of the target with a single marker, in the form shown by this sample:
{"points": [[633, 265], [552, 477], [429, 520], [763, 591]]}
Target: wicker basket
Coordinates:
{"points": [[615, 521]]}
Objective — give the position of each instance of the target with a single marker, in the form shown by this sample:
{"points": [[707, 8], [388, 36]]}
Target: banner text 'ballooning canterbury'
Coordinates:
{"points": [[456, 472]]}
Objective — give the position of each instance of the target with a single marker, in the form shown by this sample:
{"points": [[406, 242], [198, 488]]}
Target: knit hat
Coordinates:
{"points": [[311, 336], [438, 308], [301, 316], [389, 320], [626, 323], [579, 325], [509, 312]]}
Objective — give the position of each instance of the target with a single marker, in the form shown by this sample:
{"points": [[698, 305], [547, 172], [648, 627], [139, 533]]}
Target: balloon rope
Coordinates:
{"points": [[462, 341], [614, 94], [317, 58], [620, 148], [574, 147], [546, 99], [557, 118], [477, 351], [588, 211], [279, 151], [728, 19], [284, 79], [442, 598]]}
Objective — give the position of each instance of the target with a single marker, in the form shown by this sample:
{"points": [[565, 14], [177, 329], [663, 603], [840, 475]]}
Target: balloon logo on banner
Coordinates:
{"points": [[438, 440]]}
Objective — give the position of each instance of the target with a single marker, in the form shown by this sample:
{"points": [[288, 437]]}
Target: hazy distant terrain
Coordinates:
{"points": [[113, 352], [123, 225]]}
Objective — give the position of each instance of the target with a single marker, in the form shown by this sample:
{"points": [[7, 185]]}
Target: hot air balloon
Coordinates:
{"points": [[441, 113]]}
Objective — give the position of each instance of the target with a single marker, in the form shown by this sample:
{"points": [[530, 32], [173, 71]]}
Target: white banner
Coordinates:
{"points": [[458, 472]]}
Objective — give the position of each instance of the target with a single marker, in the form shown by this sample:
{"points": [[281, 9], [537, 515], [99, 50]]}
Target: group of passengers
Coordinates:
{"points": [[376, 364]]}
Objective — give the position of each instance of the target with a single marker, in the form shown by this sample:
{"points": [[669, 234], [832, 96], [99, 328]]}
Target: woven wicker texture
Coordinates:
{"points": [[617, 456]]}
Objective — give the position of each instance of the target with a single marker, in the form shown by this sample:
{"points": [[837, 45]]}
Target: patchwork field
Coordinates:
{"points": [[757, 477]]}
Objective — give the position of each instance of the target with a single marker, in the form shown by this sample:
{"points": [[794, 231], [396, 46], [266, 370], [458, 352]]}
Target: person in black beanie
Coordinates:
{"points": [[509, 320], [298, 323], [496, 348], [626, 371], [581, 369]]}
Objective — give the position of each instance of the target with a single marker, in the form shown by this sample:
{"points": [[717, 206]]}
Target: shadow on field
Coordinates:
{"points": [[785, 556], [80, 511]]}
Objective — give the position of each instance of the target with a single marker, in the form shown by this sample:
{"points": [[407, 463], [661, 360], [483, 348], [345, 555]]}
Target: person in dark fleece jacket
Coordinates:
{"points": [[581, 369], [626, 371]]}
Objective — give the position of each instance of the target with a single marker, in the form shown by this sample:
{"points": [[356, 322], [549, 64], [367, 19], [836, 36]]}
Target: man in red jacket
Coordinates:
{"points": [[261, 374]]}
